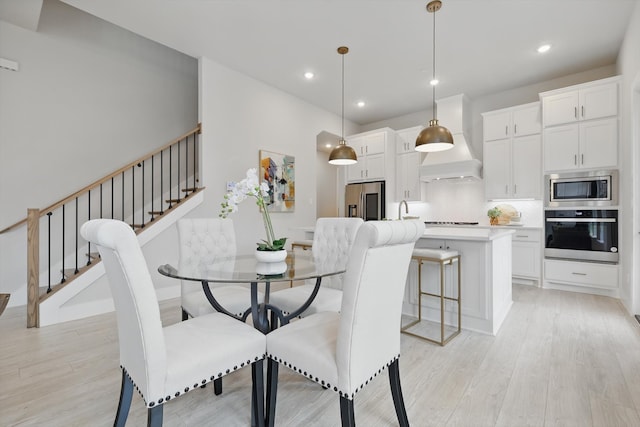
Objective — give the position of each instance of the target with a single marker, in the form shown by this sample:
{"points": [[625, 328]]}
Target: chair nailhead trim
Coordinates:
{"points": [[327, 385], [186, 389]]}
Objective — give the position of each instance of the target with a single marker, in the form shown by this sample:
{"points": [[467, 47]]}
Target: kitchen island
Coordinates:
{"points": [[485, 256]]}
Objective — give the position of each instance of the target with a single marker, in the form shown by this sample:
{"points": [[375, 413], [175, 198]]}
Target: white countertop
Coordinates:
{"points": [[467, 233]]}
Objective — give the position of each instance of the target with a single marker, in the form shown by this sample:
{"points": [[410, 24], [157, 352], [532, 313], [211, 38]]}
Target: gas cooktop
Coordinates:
{"points": [[450, 223]]}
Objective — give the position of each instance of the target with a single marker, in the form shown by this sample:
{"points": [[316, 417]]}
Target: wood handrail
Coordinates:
{"points": [[197, 130]]}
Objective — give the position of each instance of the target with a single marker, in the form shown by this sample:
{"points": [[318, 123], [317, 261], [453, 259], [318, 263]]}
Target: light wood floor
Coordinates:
{"points": [[560, 359]]}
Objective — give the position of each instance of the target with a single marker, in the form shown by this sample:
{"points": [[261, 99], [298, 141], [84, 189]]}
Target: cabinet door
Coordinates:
{"points": [[526, 121], [497, 169], [526, 259], [356, 172], [561, 145], [599, 101], [374, 168], [496, 125], [526, 167], [357, 144], [599, 143], [375, 143], [560, 108], [406, 139], [408, 177]]}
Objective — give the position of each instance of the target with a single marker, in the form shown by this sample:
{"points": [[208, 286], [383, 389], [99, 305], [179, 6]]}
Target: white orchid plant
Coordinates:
{"points": [[251, 187]]}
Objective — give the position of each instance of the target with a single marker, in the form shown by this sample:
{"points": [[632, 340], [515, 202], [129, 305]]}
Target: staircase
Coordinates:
{"points": [[150, 194]]}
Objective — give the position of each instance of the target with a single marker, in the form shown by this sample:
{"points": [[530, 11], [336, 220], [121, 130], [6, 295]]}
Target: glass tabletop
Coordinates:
{"points": [[245, 268]]}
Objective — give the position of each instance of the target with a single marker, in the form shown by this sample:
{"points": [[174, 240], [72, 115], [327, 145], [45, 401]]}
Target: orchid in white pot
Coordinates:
{"points": [[251, 187]]}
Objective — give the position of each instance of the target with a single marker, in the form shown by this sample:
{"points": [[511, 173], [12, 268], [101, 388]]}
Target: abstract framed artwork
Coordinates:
{"points": [[279, 172]]}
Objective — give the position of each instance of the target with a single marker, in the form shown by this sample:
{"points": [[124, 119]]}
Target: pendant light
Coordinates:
{"points": [[342, 154], [435, 137]]}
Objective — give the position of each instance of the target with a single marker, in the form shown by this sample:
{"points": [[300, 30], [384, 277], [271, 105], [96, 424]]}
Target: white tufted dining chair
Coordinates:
{"points": [[204, 241], [344, 351], [165, 363], [332, 241]]}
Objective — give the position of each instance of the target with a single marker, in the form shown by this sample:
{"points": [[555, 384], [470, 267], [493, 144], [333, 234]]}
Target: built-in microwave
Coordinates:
{"points": [[582, 189]]}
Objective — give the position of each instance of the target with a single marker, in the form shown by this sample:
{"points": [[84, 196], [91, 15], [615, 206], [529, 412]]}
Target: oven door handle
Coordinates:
{"points": [[581, 220]]}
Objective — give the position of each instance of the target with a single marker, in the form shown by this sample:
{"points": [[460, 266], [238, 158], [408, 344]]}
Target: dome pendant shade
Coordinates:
{"points": [[434, 138], [343, 155]]}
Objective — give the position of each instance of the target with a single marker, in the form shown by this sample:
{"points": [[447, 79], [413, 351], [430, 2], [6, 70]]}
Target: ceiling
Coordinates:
{"points": [[482, 47]]}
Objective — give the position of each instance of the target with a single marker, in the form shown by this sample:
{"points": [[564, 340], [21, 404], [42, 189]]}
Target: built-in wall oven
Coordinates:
{"points": [[582, 234], [582, 189]]}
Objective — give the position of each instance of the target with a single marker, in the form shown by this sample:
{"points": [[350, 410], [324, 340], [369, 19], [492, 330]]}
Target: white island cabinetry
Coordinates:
{"points": [[485, 259]]}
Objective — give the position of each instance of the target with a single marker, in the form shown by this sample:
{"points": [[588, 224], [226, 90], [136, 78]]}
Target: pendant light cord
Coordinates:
{"points": [[434, 65], [342, 141]]}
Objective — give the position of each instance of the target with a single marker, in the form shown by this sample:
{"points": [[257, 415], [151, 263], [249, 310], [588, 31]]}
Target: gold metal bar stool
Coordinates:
{"points": [[302, 244], [442, 258]]}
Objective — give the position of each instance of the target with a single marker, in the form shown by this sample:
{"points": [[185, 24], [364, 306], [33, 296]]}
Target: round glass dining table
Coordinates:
{"points": [[246, 269]]}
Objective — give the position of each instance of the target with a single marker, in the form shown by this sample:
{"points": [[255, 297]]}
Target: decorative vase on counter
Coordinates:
{"points": [[271, 256], [493, 220]]}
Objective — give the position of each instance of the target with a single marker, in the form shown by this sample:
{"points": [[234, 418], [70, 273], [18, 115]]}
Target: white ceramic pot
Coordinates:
{"points": [[271, 256], [271, 268]]}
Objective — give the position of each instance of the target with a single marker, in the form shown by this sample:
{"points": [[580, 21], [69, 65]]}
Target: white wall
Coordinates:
{"points": [[89, 97], [241, 116], [629, 67]]}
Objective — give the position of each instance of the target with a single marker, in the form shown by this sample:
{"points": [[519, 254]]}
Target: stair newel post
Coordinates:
{"points": [[33, 267], [48, 253]]}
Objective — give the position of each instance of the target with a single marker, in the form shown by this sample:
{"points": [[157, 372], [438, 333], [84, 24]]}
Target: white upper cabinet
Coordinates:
{"points": [[581, 126], [512, 122], [592, 101], [408, 162], [512, 153], [376, 152]]}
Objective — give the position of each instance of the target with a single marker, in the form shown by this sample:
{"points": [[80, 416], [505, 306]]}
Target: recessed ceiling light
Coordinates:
{"points": [[308, 75], [361, 104], [434, 82], [544, 48], [328, 145]]}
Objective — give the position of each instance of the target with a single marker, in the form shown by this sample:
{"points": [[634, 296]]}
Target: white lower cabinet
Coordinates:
{"points": [[588, 274], [526, 253]]}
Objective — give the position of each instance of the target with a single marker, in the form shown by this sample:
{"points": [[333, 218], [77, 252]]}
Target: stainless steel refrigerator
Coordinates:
{"points": [[365, 200]]}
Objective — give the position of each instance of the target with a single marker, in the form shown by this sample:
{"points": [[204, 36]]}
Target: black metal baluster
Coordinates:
{"points": [[161, 181], [112, 202], [88, 218], [76, 227], [152, 183], [170, 173], [195, 150], [178, 145], [101, 195], [49, 250], [133, 195], [123, 195], [142, 210], [63, 231], [186, 166]]}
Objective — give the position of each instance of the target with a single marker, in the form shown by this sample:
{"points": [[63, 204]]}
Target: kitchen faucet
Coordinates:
{"points": [[406, 208]]}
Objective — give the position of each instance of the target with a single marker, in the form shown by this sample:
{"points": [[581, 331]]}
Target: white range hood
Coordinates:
{"points": [[457, 163]]}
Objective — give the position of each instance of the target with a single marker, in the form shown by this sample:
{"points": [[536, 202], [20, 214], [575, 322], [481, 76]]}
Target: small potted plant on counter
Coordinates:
{"points": [[493, 214]]}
